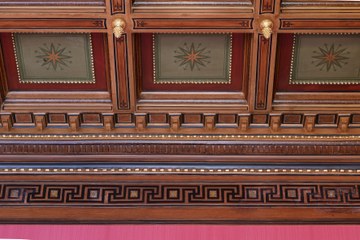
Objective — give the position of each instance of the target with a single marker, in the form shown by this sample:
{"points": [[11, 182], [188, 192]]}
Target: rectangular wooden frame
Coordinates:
{"points": [[36, 99], [178, 99], [307, 96]]}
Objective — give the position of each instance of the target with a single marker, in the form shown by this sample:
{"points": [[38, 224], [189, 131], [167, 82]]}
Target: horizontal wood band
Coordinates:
{"points": [[175, 23], [319, 24], [52, 23]]}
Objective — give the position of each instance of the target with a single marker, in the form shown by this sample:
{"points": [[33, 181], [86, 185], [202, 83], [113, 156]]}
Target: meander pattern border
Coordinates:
{"points": [[122, 194]]}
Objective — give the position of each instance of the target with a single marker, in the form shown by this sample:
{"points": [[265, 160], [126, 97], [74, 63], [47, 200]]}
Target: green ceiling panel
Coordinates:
{"points": [[192, 58], [54, 58], [325, 59]]}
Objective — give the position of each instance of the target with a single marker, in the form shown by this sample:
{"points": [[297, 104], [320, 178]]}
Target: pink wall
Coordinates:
{"points": [[178, 232]]}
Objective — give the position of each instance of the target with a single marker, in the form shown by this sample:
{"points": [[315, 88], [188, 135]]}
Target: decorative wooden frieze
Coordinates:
{"points": [[191, 23], [119, 194], [182, 123], [134, 144]]}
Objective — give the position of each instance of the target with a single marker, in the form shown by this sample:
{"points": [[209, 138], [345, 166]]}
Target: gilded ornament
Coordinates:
{"points": [[266, 26], [118, 27]]}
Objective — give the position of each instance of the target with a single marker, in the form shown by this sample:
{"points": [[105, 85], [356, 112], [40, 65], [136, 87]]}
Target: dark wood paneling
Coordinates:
{"points": [[262, 74], [117, 6], [267, 6], [3, 77], [123, 98], [292, 119]]}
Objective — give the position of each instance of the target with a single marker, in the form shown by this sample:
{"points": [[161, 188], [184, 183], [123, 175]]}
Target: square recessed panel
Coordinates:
{"points": [[54, 58], [325, 59], [192, 58]]}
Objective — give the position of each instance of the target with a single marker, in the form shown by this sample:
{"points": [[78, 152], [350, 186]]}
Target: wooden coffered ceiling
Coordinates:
{"points": [[179, 111]]}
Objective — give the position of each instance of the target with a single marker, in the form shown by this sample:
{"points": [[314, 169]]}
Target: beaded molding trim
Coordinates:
{"points": [[187, 171], [177, 137], [89, 37]]}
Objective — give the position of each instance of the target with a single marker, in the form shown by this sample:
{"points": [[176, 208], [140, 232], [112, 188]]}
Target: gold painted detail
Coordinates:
{"points": [[118, 27], [185, 171], [266, 26], [178, 137]]}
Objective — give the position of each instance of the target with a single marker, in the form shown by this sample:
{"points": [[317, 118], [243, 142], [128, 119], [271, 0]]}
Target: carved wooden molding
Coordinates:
{"points": [[52, 23], [24, 123], [140, 147], [176, 6], [171, 198], [337, 24], [112, 194], [188, 23], [292, 6], [35, 6]]}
